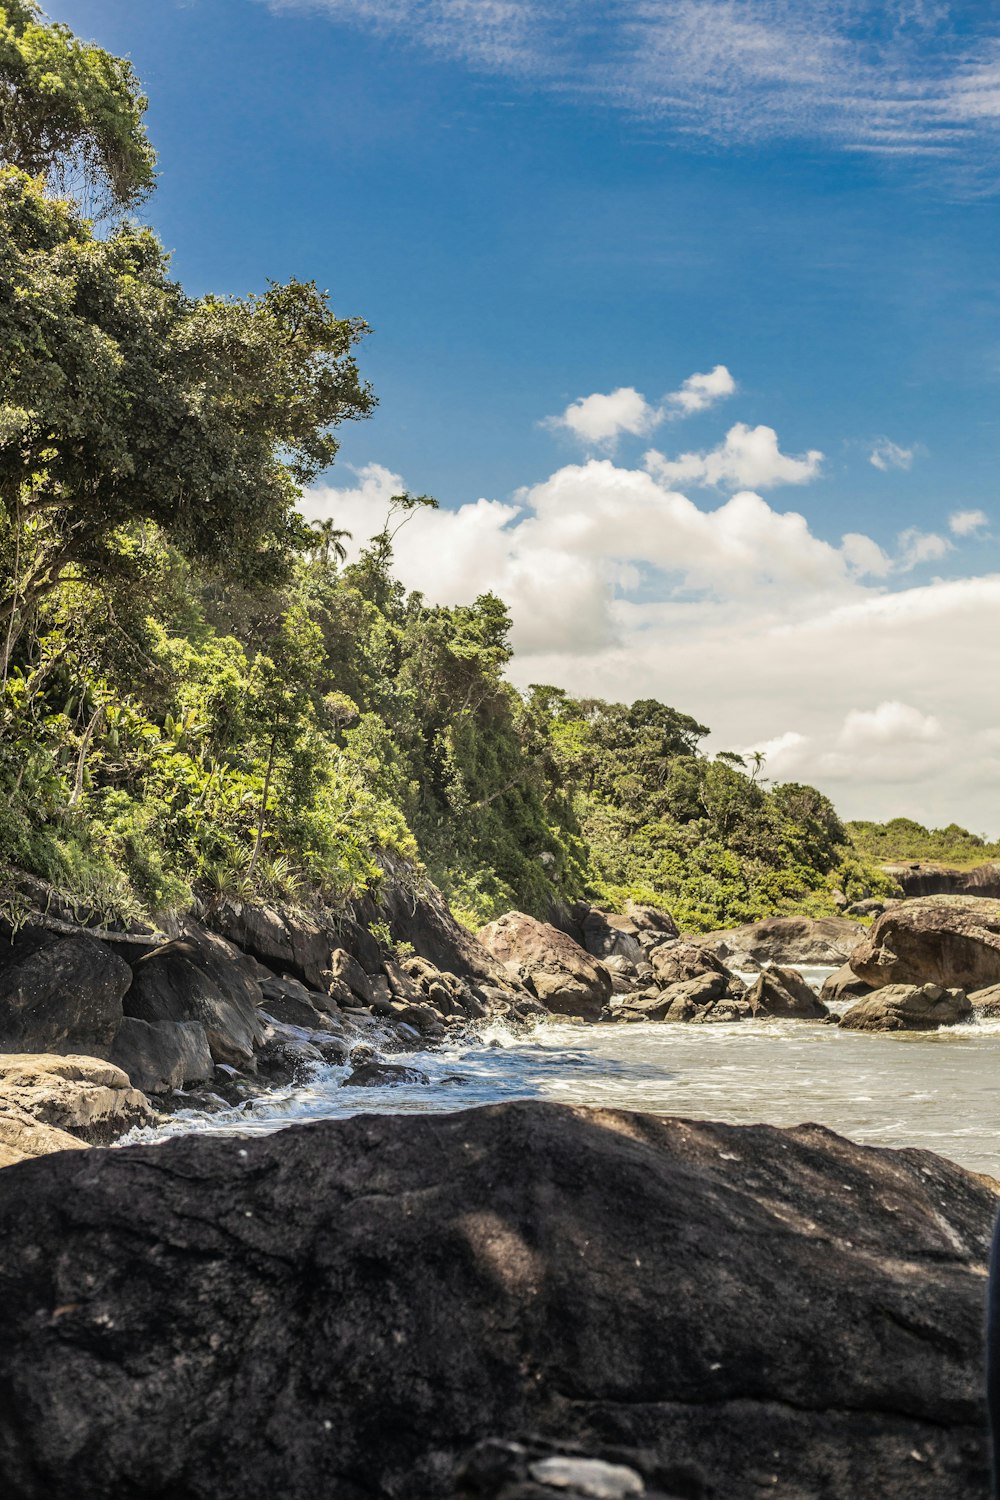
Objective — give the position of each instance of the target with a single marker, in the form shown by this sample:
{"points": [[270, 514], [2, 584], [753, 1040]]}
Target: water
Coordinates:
{"points": [[938, 1090]]}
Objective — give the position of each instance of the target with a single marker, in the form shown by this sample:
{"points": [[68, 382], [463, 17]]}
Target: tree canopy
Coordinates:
{"points": [[71, 112]]}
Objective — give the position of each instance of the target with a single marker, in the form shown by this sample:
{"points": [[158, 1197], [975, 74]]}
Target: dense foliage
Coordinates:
{"points": [[197, 695], [901, 839]]}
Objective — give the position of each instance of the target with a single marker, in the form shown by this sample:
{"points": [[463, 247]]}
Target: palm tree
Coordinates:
{"points": [[329, 539]]}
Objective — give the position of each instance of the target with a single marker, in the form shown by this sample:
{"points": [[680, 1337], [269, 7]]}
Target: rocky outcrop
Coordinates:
{"points": [[60, 992], [783, 993], [162, 1055], [788, 940], [908, 1007], [952, 941], [350, 1308], [52, 1103], [918, 878], [564, 977]]}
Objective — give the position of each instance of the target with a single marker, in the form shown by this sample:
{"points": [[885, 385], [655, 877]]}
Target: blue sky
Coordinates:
{"points": [[535, 204]]}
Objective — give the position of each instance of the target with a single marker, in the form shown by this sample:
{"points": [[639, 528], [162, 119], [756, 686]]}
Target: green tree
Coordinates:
{"points": [[123, 402], [70, 112]]}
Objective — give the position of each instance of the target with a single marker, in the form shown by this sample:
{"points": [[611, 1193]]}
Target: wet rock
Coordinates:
{"points": [[908, 1007], [953, 941], [784, 993], [565, 978], [369, 1075], [163, 1055], [986, 1003], [85, 1096], [498, 1470], [785, 940], [844, 985], [59, 992], [182, 981], [681, 1001], [348, 1307]]}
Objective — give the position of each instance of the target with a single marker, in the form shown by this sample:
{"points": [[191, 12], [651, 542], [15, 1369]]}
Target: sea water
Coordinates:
{"points": [[939, 1090]]}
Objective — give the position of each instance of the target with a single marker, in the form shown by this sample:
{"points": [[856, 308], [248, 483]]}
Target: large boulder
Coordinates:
{"points": [[785, 940], [184, 981], [784, 993], [608, 936], [163, 1055], [564, 976], [953, 941], [349, 1308], [59, 992], [908, 1007], [48, 1102]]}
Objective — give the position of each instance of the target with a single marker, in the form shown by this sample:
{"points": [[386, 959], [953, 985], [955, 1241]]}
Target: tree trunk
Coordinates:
{"points": [[263, 806]]}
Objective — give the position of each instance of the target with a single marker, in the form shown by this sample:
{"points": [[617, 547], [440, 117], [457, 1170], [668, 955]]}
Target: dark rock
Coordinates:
{"points": [[785, 940], [908, 1007], [953, 941], [280, 937], [183, 982], [417, 913], [784, 993], [348, 1308], [844, 985], [681, 1001], [652, 920], [565, 978], [59, 993], [369, 1075], [163, 1055]]}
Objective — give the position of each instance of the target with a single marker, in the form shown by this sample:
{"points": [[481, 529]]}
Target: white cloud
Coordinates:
{"points": [[749, 456], [888, 455], [808, 649], [918, 547], [599, 421], [699, 392], [967, 522], [900, 79]]}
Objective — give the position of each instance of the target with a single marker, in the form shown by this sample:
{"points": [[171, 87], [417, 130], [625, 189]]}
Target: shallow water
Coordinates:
{"points": [[939, 1090]]}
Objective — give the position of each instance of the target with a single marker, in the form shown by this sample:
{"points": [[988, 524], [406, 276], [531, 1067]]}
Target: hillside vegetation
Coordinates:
{"points": [[197, 695], [903, 840]]}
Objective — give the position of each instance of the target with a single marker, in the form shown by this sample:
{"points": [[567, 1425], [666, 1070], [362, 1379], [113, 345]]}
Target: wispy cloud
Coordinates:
{"points": [[888, 455], [896, 77], [968, 522]]}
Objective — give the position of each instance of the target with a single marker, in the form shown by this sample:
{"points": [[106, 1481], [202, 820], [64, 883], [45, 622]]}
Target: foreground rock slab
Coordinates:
{"points": [[350, 1308]]}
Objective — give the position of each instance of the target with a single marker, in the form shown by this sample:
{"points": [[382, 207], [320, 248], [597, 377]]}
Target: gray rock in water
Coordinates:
{"points": [[347, 1308], [784, 993], [785, 940], [908, 1007], [370, 1075]]}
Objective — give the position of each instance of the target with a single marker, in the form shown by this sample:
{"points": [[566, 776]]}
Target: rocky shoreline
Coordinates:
{"points": [[103, 1030]]}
